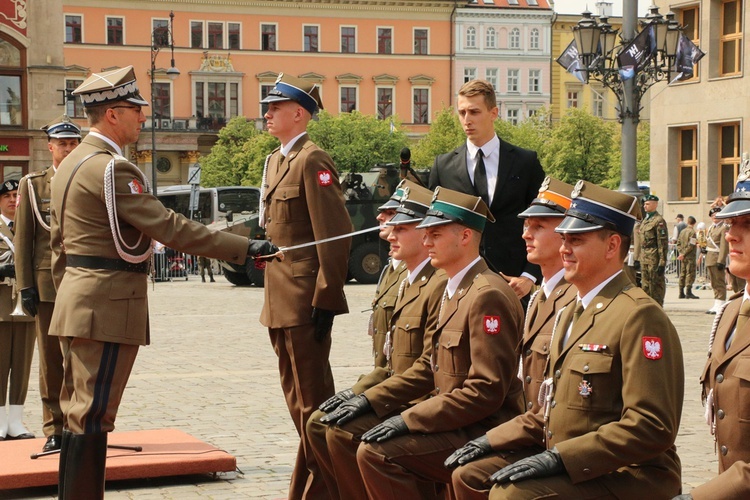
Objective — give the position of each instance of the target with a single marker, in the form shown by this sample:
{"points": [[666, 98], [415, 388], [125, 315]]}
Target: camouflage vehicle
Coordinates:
{"points": [[364, 193]]}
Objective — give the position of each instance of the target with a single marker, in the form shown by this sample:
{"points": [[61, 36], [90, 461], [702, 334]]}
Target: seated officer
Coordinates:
{"points": [[615, 387], [474, 360], [725, 377]]}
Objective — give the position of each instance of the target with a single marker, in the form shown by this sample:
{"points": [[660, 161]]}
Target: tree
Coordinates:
{"points": [[225, 165], [445, 135], [643, 156], [531, 133], [253, 157], [579, 148]]}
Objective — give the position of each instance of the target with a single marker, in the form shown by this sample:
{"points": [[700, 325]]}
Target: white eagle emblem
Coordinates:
{"points": [[492, 325], [652, 347], [324, 178]]}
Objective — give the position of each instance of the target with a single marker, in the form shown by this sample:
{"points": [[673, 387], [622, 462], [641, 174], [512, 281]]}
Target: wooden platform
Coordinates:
{"points": [[166, 452]]}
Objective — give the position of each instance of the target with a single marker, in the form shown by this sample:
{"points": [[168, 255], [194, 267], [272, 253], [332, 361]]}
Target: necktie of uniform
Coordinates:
{"points": [[10, 225], [741, 320], [480, 178]]}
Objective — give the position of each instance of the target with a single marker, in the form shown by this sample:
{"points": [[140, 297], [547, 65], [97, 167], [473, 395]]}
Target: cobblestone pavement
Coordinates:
{"points": [[210, 371]]}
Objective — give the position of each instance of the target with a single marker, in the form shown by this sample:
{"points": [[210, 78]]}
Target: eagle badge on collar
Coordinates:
{"points": [[325, 178], [491, 325]]}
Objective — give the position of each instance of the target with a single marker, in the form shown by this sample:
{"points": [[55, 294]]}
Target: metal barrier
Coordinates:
{"points": [[702, 281], [171, 265]]}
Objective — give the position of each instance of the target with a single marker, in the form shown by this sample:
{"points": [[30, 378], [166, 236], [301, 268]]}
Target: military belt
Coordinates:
{"points": [[91, 262]]}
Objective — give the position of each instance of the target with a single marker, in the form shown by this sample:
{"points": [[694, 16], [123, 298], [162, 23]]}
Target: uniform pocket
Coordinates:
{"points": [[305, 268], [408, 338], [451, 359], [284, 199], [590, 383], [742, 372]]}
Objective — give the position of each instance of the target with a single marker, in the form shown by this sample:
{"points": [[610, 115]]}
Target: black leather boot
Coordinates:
{"points": [[690, 294], [86, 462], [682, 293]]}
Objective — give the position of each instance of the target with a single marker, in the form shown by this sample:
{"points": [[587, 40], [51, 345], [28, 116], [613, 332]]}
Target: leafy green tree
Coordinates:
{"points": [[445, 135], [225, 165], [253, 156], [531, 133], [643, 159], [579, 148]]}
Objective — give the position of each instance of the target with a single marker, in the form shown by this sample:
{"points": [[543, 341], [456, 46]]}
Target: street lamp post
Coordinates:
{"points": [[160, 37], [600, 59]]}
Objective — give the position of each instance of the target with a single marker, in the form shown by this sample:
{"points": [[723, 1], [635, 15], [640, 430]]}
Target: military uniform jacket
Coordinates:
{"points": [[8, 292], [686, 243], [537, 332], [474, 358], [716, 245], [727, 372], [413, 324], [629, 420], [652, 241], [304, 203], [33, 252], [107, 305], [384, 302]]}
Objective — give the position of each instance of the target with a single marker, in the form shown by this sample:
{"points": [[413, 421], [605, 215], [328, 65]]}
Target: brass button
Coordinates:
{"points": [[586, 368], [529, 405], [528, 352], [553, 403], [586, 470]]}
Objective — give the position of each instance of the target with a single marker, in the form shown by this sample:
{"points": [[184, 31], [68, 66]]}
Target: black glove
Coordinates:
{"points": [[7, 271], [260, 248], [349, 410], [388, 429], [469, 452], [720, 266], [545, 464], [335, 401], [637, 265], [323, 321], [29, 300], [660, 271], [685, 496]]}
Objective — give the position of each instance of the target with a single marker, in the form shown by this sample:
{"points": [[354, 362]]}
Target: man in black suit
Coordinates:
{"points": [[507, 178]]}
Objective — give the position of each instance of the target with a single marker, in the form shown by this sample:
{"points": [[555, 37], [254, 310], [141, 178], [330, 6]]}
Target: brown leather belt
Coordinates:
{"points": [[91, 262]]}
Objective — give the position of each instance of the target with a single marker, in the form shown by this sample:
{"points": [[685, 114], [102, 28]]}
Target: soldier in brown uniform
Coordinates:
{"points": [[103, 222], [302, 202], [34, 271], [725, 378], [16, 332], [615, 387], [687, 243], [408, 347], [716, 258], [474, 360], [383, 303]]}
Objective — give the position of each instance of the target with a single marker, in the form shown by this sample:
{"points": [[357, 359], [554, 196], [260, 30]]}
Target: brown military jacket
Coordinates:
{"points": [[8, 291], [617, 400], [413, 323], [727, 372], [33, 252], [304, 203], [106, 305], [540, 319], [716, 246], [474, 359], [382, 307]]}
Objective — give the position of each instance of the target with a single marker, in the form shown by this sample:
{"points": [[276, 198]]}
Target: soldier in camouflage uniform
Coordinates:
{"points": [[651, 246], [686, 245]]}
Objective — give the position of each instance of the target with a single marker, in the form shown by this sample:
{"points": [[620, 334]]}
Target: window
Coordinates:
{"points": [[215, 103], [421, 42], [73, 32], [264, 90], [233, 36], [471, 37], [689, 18], [532, 111], [535, 79], [196, 34], [311, 38], [348, 99], [490, 74], [729, 157], [234, 100], [470, 74], [114, 31], [511, 116], [514, 39], [160, 32], [216, 36], [348, 40], [268, 37], [385, 40], [534, 39], [597, 99], [491, 38], [385, 102], [731, 37], [421, 105], [200, 99], [572, 99], [512, 80], [217, 99], [161, 101], [12, 84], [73, 105], [687, 163]]}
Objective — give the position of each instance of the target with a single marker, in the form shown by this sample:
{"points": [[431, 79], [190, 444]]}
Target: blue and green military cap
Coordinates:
{"points": [[290, 88]]}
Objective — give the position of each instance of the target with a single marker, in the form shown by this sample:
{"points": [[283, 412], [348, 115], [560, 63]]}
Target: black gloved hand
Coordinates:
{"points": [[545, 464], [660, 271], [260, 248], [323, 321], [469, 452], [637, 265], [388, 429], [29, 300], [685, 496], [335, 401], [7, 271], [720, 266], [349, 410]]}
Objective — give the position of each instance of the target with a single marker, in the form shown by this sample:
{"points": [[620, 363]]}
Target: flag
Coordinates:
{"points": [[636, 54], [687, 56], [393, 127], [569, 60]]}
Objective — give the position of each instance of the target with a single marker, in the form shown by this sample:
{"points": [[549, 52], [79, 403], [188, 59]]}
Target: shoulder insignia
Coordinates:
{"points": [[38, 173], [135, 186], [325, 178], [652, 347], [491, 325], [119, 157]]}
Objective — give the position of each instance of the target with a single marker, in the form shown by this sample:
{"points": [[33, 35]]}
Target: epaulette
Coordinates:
{"points": [[38, 173]]}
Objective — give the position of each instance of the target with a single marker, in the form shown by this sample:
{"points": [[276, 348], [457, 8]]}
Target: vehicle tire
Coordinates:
{"points": [[256, 276], [237, 279], [365, 264]]}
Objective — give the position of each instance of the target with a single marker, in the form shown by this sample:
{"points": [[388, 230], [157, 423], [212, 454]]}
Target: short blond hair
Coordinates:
{"points": [[480, 87]]}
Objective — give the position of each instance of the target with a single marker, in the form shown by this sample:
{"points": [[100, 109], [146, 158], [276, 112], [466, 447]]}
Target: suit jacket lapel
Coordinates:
{"points": [[460, 169], [504, 168], [550, 306]]}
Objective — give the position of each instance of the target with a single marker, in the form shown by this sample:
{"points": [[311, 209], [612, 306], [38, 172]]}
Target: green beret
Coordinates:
{"points": [[650, 197]]}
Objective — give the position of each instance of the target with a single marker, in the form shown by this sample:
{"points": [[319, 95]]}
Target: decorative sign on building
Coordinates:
{"points": [[217, 63], [13, 13]]}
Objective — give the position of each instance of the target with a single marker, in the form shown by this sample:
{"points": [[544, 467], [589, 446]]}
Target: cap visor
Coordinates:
{"points": [[734, 209], [540, 211], [400, 219], [389, 205], [137, 99], [274, 98], [431, 221], [575, 225]]}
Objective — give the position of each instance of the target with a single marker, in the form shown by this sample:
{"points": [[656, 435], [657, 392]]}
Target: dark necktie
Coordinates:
{"points": [[741, 320], [480, 178], [10, 225]]}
